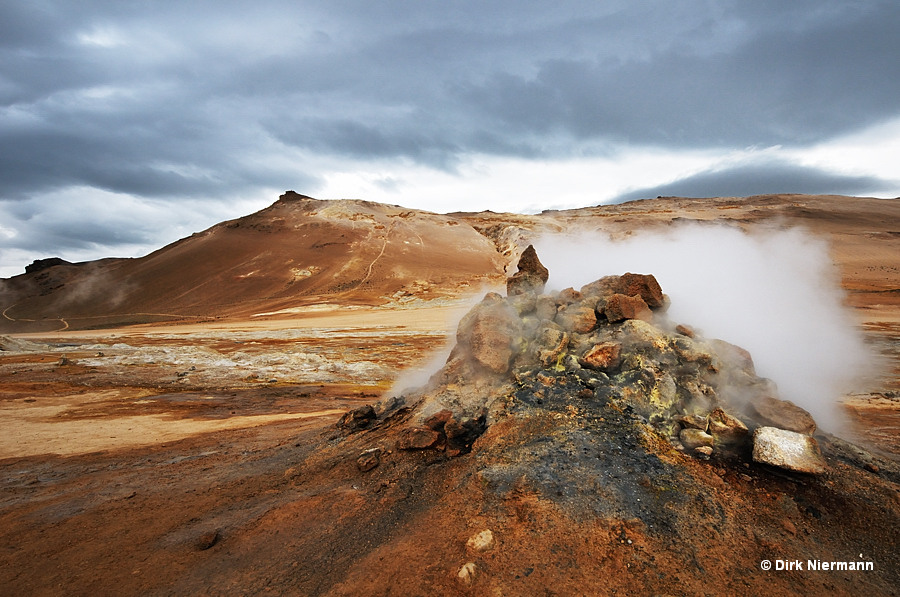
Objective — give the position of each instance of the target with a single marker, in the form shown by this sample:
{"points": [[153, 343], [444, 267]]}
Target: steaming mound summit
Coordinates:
{"points": [[581, 443]]}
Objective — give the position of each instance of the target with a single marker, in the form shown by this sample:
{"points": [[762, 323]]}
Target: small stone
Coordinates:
{"points": [[694, 438], [207, 540], [466, 574], [418, 438], [787, 450], [705, 450], [368, 460], [686, 330], [481, 542], [63, 361]]}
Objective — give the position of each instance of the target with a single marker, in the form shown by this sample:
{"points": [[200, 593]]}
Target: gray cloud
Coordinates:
{"points": [[762, 178], [175, 100]]}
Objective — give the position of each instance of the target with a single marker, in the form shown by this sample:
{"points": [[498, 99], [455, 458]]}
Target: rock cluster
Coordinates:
{"points": [[615, 337]]}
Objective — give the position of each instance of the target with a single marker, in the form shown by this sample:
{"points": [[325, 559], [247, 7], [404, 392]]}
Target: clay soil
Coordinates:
{"points": [[113, 467]]}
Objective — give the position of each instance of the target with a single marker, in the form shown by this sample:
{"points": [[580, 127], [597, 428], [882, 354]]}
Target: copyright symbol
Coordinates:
{"points": [[765, 564]]}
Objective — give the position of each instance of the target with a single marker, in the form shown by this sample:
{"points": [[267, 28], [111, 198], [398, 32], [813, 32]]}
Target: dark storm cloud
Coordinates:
{"points": [[204, 87], [172, 100], [762, 178]]}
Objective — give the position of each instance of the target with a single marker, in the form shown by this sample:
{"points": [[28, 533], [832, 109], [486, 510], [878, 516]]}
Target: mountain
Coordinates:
{"points": [[296, 252], [302, 251]]}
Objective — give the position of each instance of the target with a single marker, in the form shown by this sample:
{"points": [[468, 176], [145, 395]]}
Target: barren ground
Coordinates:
{"points": [[162, 459]]}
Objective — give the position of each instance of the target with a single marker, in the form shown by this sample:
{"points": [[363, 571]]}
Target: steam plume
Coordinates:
{"points": [[774, 292]]}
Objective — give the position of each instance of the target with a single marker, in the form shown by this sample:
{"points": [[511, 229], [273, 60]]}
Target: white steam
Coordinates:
{"points": [[775, 293]]}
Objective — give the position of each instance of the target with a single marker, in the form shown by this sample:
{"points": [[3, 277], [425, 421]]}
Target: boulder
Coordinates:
{"points": [[523, 303], [489, 332], [358, 418], [620, 307], [418, 438], [693, 422], [606, 355], [725, 428], [438, 419], [788, 450], [734, 356], [531, 277], [569, 296], [545, 307], [644, 286], [368, 460], [604, 287], [577, 318], [694, 438], [782, 414], [549, 343]]}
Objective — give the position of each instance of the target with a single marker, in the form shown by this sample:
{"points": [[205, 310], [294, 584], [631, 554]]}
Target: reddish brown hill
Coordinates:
{"points": [[297, 251], [301, 251]]}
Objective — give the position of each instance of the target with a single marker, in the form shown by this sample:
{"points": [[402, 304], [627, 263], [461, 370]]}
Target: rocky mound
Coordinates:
{"points": [[579, 442]]}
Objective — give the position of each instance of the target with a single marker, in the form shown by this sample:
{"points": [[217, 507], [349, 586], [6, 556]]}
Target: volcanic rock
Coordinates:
{"points": [[42, 264], [358, 418], [782, 414], [577, 318], [549, 343], [620, 307], [488, 333], [787, 449], [569, 296], [693, 422], [418, 438], [603, 356], [686, 330], [461, 434], [725, 428], [531, 277], [439, 419], [207, 540], [545, 307], [694, 438], [644, 286], [368, 460]]}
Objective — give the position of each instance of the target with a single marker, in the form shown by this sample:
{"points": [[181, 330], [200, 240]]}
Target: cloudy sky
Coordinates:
{"points": [[125, 125]]}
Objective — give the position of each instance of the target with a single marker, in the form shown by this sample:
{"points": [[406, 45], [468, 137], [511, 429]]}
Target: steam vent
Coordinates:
{"points": [[579, 442], [606, 346]]}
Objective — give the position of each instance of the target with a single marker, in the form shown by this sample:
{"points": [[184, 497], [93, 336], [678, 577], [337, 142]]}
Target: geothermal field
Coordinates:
{"points": [[664, 397]]}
